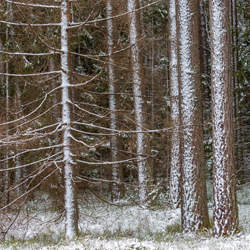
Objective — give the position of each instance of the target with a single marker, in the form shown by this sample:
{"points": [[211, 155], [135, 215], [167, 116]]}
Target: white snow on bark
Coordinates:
{"points": [[69, 192], [112, 102], [191, 220], [220, 72], [6, 176], [138, 102], [175, 119], [34, 5]]}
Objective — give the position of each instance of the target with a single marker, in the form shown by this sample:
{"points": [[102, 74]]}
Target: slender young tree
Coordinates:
{"points": [[70, 190], [1, 63], [175, 171], [7, 95], [142, 143], [194, 200], [224, 183], [115, 141]]}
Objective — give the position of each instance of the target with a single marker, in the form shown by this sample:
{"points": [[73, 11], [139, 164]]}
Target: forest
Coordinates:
{"points": [[136, 107]]}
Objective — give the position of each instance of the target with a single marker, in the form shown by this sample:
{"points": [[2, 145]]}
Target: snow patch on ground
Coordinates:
{"points": [[105, 227]]}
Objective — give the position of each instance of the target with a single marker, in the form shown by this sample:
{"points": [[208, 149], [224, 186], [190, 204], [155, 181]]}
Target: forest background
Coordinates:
{"points": [[89, 106]]}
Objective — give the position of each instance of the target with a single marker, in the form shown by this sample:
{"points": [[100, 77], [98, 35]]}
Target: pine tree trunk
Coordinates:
{"points": [[142, 143], [117, 190], [204, 44], [239, 162], [175, 171], [70, 189], [205, 78], [224, 183], [194, 200]]}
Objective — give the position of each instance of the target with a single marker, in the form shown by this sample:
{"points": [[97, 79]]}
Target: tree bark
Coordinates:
{"points": [[239, 162], [144, 167], [70, 189], [194, 200], [117, 191], [224, 183], [175, 169]]}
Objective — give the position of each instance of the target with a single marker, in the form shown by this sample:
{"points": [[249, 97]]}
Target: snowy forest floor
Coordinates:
{"points": [[106, 227]]}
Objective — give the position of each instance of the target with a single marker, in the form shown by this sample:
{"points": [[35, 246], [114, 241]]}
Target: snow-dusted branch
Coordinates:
{"points": [[114, 162], [35, 34], [26, 116], [24, 194], [28, 54], [88, 112], [30, 24], [32, 163], [33, 74], [77, 25], [31, 150], [34, 5], [86, 145]]}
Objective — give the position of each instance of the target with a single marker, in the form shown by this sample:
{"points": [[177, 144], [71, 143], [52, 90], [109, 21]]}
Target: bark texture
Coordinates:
{"points": [[70, 190], [224, 183], [144, 167], [117, 191], [193, 199], [239, 162], [175, 172]]}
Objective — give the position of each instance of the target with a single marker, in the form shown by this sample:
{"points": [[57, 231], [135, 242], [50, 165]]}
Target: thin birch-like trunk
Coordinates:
{"points": [[142, 144], [70, 192], [1, 63], [224, 182], [117, 174], [6, 163], [193, 201], [2, 82], [175, 171], [18, 158]]}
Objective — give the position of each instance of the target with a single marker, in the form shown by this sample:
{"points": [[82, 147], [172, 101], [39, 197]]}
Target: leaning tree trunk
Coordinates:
{"points": [[115, 140], [70, 192], [194, 201], [175, 171], [142, 143], [224, 183]]}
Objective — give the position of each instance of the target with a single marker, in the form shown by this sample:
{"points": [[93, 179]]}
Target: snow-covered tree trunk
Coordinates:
{"points": [[2, 82], [70, 192], [8, 36], [224, 183], [115, 143], [193, 201], [239, 163], [142, 143], [175, 171]]}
